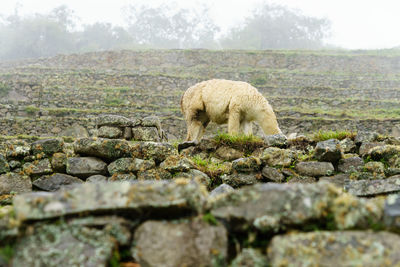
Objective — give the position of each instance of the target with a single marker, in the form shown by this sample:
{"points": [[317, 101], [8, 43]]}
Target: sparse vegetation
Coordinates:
{"points": [[4, 89], [245, 143], [326, 135]]}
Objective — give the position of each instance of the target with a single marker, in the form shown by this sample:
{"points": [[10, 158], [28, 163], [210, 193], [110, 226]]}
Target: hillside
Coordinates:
{"points": [[309, 90]]}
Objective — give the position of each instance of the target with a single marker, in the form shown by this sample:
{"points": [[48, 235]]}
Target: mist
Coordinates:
{"points": [[165, 26]]}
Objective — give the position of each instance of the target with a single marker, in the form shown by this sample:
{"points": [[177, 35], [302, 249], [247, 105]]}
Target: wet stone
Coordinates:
{"points": [[127, 165], [177, 197], [187, 243], [349, 248], [272, 174], [96, 179], [47, 146], [250, 257], [63, 245], [116, 120], [13, 182], [122, 177], [55, 181], [374, 187], [108, 149], [195, 174], [249, 164], [84, 167], [176, 163], [37, 168], [328, 151], [145, 134], [314, 168], [277, 157], [109, 132], [59, 162], [241, 179], [154, 174], [4, 166], [221, 189], [349, 165], [18, 151], [228, 153], [276, 140], [365, 137], [366, 147], [347, 145]]}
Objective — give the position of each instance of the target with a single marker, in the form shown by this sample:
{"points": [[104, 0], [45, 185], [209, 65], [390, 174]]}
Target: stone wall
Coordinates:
{"points": [[98, 201]]}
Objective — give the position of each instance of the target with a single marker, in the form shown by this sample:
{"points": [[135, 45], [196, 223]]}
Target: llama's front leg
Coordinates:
{"points": [[233, 122]]}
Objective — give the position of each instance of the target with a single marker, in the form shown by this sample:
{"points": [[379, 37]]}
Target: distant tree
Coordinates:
{"points": [[277, 27], [164, 27], [34, 36], [102, 36]]}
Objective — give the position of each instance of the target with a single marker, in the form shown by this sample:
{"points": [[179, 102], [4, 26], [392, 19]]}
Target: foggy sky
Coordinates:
{"points": [[356, 24]]}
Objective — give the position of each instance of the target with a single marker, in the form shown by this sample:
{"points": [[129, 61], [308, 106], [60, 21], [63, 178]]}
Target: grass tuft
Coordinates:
{"points": [[340, 135]]}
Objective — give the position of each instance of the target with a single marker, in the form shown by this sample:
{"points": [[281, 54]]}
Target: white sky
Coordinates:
{"points": [[356, 24]]}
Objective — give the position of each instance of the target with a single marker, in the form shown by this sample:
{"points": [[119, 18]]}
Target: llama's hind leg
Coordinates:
{"points": [[246, 127]]}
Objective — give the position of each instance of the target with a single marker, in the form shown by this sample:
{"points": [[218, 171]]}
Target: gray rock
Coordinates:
{"points": [[250, 257], [128, 165], [176, 163], [386, 152], [374, 187], [84, 167], [55, 181], [302, 180], [59, 162], [77, 131], [228, 153], [13, 164], [37, 168], [195, 174], [47, 146], [367, 146], [152, 150], [221, 189], [187, 243], [278, 157], [273, 207], [103, 148], [272, 174], [365, 137], [96, 179], [240, 179], [249, 164], [347, 145], [328, 151], [315, 168], [375, 167], [109, 132], [177, 197], [116, 121], [146, 134], [8, 228], [340, 180], [13, 182], [154, 174], [4, 167], [349, 165], [122, 177], [391, 216], [18, 151], [349, 248], [63, 245], [276, 140]]}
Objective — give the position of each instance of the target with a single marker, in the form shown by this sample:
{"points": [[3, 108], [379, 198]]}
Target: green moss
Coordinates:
{"points": [[31, 110], [326, 135], [6, 253], [210, 219]]}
